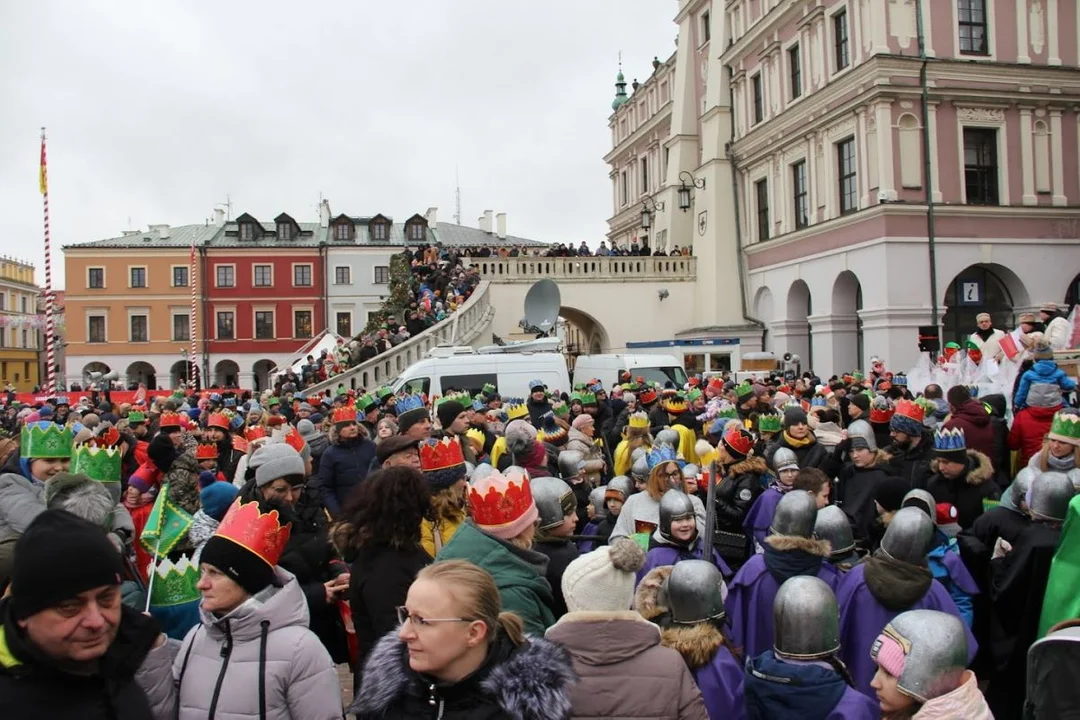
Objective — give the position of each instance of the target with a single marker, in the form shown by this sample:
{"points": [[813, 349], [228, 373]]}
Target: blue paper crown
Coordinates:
{"points": [[62, 400], [230, 402], [405, 403], [215, 397], [900, 380], [507, 402], [596, 387], [818, 401], [661, 453], [533, 384], [236, 423], [949, 439], [973, 390], [477, 404]]}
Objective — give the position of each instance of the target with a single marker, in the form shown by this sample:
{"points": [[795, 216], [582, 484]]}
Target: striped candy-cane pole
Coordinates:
{"points": [[50, 343], [191, 322]]}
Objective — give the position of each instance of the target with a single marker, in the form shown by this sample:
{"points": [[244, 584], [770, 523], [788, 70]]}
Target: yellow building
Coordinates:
{"points": [[20, 325]]}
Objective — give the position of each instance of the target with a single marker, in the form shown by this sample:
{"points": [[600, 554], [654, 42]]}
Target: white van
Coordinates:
{"points": [[510, 373], [608, 368]]}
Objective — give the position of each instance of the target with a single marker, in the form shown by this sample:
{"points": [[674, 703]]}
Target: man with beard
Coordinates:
{"points": [[912, 446], [986, 337], [218, 432]]}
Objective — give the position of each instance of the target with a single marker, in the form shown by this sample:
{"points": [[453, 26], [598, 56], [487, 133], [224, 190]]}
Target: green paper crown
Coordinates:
{"points": [[727, 412], [135, 418], [693, 394], [588, 398], [858, 376], [488, 389], [744, 389], [45, 439], [769, 422], [364, 402], [383, 392], [97, 463], [578, 387], [560, 409], [273, 401], [1066, 428], [175, 583]]}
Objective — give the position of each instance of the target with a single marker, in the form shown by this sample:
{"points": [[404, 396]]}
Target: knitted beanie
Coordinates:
{"points": [[448, 411], [603, 580], [275, 460], [582, 420], [907, 425], [861, 401], [216, 499], [890, 492], [520, 436], [794, 416]]}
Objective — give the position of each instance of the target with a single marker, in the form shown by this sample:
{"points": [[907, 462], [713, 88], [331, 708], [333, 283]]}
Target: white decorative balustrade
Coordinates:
{"points": [[585, 269]]}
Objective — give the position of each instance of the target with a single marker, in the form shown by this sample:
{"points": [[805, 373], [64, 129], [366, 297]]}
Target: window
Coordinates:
{"points": [[180, 276], [181, 327], [625, 188], [759, 99], [3, 338], [302, 324], [138, 277], [845, 160], [644, 175], [95, 278], [800, 196], [342, 275], [795, 70], [981, 166], [26, 338], [95, 327], [417, 232], [302, 275], [382, 274], [247, 231], [343, 320], [23, 304], [343, 231], [378, 231], [286, 231], [264, 325], [973, 27], [226, 276], [264, 275], [706, 29], [761, 190], [225, 325], [840, 38], [139, 332]]}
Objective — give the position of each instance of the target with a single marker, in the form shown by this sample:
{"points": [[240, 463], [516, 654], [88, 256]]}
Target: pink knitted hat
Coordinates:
{"points": [[889, 654], [582, 420]]}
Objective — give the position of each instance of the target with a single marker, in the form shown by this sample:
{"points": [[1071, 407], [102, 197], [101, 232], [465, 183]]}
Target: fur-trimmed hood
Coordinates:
{"points": [[647, 597], [979, 468], [532, 684], [753, 464], [696, 643], [783, 543]]}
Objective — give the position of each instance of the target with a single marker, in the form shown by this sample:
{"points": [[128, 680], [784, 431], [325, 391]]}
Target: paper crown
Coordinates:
{"points": [[949, 439], [240, 444], [206, 451], [408, 403], [254, 432], [272, 401], [900, 379], [364, 402], [738, 440], [693, 394], [97, 463], [661, 453], [175, 583], [727, 411], [45, 439], [674, 404], [536, 385], [169, 420], [910, 409], [476, 435], [62, 400], [441, 454], [647, 396], [107, 437], [770, 422], [881, 411], [560, 409], [343, 415], [744, 390], [1065, 427], [135, 418], [219, 420], [587, 398], [260, 533], [516, 410], [295, 440], [639, 421], [383, 392], [488, 389], [857, 376], [498, 499]]}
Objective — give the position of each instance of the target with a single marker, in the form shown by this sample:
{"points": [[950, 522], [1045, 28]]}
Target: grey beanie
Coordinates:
{"points": [[276, 460], [307, 430]]}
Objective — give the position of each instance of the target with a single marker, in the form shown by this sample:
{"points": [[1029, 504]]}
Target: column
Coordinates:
{"points": [[247, 379], [819, 53], [1022, 32], [886, 176], [1057, 157], [928, 29], [791, 336], [878, 15], [1027, 160], [1053, 33], [863, 157], [811, 180], [892, 334], [935, 159], [835, 343]]}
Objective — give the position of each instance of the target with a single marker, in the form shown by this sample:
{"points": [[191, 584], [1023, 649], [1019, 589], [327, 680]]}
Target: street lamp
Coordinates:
{"points": [[648, 208], [684, 190]]}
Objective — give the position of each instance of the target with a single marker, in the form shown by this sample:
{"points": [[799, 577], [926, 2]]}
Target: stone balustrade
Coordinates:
{"points": [[585, 269]]}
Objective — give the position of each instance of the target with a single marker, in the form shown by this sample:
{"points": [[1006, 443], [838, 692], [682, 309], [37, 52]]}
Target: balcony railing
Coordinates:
{"points": [[585, 269]]}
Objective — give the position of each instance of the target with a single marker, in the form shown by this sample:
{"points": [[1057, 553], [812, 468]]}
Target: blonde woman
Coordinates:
{"points": [[387, 427], [641, 511], [635, 434]]}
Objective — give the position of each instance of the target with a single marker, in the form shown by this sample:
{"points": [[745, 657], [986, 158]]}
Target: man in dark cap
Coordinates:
{"points": [[398, 451], [71, 647]]}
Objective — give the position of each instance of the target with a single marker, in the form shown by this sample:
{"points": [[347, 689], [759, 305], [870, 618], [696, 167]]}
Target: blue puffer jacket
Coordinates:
{"points": [[343, 466], [1043, 385]]}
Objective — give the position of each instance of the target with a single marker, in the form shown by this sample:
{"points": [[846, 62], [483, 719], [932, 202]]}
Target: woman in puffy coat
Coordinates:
{"points": [[252, 656], [581, 440]]}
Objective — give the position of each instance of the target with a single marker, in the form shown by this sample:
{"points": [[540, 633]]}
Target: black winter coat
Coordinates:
{"points": [[33, 687], [341, 468], [967, 492], [913, 464], [855, 491], [739, 486], [537, 410], [380, 580], [814, 455], [560, 553], [977, 542]]}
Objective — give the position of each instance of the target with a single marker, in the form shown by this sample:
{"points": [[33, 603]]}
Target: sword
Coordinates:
{"points": [[710, 514]]}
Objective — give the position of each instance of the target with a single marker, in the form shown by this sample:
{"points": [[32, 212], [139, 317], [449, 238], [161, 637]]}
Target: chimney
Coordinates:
{"points": [[432, 216], [485, 221], [324, 214], [219, 217], [162, 231], [500, 226]]}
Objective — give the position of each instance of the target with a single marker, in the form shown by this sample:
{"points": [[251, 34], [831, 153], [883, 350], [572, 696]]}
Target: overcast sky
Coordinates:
{"points": [[158, 110]]}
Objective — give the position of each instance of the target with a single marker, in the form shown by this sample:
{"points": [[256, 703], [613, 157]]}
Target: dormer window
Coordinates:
{"points": [[286, 231], [378, 232], [379, 229], [342, 232], [416, 232], [247, 231]]}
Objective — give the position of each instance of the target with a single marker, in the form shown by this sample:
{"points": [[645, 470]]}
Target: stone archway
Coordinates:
{"points": [[179, 373], [227, 374], [978, 288], [793, 332], [837, 338], [1072, 293], [764, 311], [592, 337], [142, 372], [261, 370]]}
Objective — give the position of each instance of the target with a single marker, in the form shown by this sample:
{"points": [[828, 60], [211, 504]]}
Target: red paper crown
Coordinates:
{"points": [[254, 432], [109, 437], [441, 454], [344, 415], [497, 500], [647, 396], [219, 420], [239, 443], [206, 451], [881, 415], [910, 409], [169, 419], [295, 440], [738, 440], [262, 534], [275, 420], [715, 385]]}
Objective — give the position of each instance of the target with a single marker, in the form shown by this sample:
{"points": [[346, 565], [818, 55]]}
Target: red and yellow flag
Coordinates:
{"points": [[43, 181]]}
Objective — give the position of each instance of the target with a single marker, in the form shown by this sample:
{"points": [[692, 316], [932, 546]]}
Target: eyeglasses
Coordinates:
{"points": [[403, 614], [674, 474]]}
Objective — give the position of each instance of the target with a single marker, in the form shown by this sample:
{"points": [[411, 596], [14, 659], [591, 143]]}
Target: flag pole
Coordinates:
{"points": [[194, 374], [50, 340], [153, 571]]}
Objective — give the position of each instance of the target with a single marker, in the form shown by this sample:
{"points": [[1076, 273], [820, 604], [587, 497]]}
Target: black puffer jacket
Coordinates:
{"points": [[814, 455], [33, 686], [913, 463], [967, 492]]}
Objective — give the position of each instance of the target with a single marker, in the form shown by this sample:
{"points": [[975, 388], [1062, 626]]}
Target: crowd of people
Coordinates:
{"points": [[844, 548]]}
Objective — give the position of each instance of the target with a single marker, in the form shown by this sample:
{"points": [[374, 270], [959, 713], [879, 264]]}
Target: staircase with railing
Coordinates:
{"points": [[460, 328]]}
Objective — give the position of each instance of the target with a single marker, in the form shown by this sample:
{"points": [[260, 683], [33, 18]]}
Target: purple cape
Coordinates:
{"points": [[862, 618], [855, 706], [721, 685], [760, 516], [585, 546], [750, 601], [669, 555], [959, 573]]}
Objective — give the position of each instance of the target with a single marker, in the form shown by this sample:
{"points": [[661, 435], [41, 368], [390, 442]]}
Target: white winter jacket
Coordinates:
{"points": [[259, 661]]}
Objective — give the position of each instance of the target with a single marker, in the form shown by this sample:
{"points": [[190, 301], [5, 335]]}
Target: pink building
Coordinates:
{"points": [[831, 183]]}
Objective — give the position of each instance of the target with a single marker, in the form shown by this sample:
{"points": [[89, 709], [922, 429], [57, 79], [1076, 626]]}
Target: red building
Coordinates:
{"points": [[264, 297]]}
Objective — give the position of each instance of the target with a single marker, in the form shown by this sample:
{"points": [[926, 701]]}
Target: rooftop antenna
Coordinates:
{"points": [[227, 205], [457, 197]]}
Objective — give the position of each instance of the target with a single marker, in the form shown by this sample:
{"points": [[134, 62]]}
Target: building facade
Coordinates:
{"points": [[831, 175], [20, 324]]}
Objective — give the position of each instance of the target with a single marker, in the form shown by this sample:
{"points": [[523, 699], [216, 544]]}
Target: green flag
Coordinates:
{"points": [[1062, 601], [166, 525]]}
